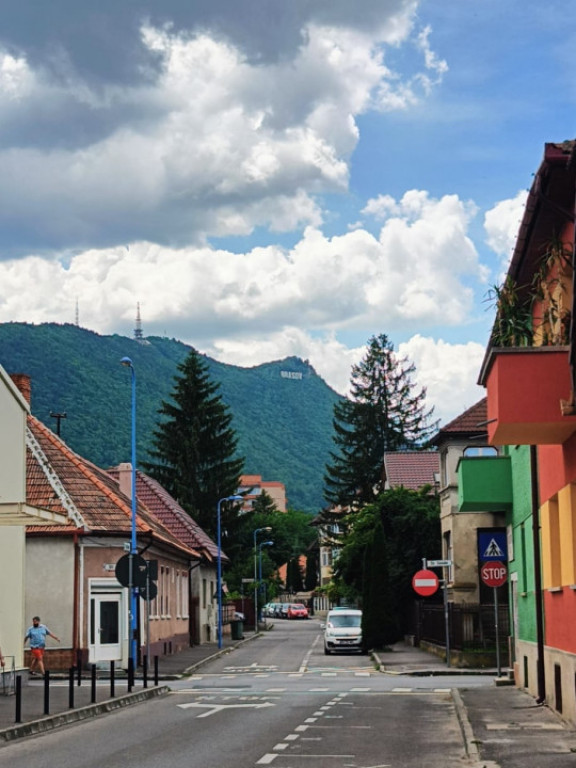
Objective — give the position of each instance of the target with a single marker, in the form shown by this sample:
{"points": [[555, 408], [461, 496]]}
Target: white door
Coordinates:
{"points": [[105, 627]]}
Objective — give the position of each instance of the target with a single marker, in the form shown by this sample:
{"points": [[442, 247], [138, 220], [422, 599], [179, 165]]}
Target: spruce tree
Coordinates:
{"points": [[385, 412], [194, 447]]}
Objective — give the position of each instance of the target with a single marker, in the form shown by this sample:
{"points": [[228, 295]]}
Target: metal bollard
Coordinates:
{"points": [[93, 696], [130, 674], [112, 680], [79, 666], [145, 672], [71, 688], [18, 718], [47, 692], [156, 670]]}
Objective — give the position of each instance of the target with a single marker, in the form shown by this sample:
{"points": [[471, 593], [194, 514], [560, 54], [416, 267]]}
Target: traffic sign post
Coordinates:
{"points": [[494, 574], [426, 583]]}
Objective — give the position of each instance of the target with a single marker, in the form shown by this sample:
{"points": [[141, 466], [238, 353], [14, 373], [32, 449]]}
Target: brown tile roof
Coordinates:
{"points": [[471, 422], [89, 492], [170, 513], [411, 469]]}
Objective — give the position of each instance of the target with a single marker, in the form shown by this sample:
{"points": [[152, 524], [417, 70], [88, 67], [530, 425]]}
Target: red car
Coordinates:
{"points": [[297, 611]]}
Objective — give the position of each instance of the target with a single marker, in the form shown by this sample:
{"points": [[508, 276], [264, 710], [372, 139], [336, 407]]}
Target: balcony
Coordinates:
{"points": [[525, 386], [484, 484]]}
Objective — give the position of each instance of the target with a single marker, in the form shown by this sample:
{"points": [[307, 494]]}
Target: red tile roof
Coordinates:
{"points": [[471, 422], [87, 494], [171, 514], [411, 469]]}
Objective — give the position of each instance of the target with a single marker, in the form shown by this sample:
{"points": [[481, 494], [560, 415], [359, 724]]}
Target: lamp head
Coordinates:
{"points": [[126, 361], [267, 544]]}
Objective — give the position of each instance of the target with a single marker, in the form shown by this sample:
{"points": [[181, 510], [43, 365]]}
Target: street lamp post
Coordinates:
{"points": [[267, 529], [219, 571], [262, 544], [133, 549]]}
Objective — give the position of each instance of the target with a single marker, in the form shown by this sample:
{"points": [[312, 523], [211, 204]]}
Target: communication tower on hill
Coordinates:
{"points": [[138, 334]]}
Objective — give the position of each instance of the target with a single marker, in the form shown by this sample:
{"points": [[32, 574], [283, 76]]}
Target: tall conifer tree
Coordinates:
{"points": [[194, 446], [385, 412]]}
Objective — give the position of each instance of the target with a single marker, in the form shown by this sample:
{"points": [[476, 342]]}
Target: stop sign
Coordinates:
{"points": [[494, 574], [425, 582]]}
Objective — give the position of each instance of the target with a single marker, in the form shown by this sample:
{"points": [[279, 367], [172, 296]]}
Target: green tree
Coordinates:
{"points": [[385, 412], [194, 447], [383, 548]]}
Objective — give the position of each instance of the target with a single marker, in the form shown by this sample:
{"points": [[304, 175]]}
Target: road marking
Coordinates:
{"points": [[328, 674], [280, 746], [292, 737], [301, 728], [295, 674], [362, 674], [318, 690], [276, 690], [265, 759], [306, 659], [310, 719], [214, 708], [402, 690], [359, 690]]}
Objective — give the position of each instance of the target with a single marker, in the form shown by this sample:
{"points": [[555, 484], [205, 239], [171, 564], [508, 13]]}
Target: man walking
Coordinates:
{"points": [[37, 635]]}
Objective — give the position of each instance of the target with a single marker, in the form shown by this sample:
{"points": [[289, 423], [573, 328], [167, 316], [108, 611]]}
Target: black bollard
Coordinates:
{"points": [[93, 696], [156, 670], [112, 679], [71, 688], [47, 692], [79, 666], [145, 672], [130, 674], [18, 718]]}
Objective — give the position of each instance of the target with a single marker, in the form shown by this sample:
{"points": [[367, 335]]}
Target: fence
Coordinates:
{"points": [[8, 676], [471, 627]]}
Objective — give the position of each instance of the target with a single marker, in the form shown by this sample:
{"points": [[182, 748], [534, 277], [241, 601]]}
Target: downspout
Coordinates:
{"points": [[193, 634], [540, 673], [75, 611]]}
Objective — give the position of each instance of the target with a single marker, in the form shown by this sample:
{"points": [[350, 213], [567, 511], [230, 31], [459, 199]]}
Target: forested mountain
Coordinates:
{"points": [[282, 410]]}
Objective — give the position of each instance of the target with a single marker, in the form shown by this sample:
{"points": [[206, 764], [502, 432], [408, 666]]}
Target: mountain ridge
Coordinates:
{"points": [[282, 410]]}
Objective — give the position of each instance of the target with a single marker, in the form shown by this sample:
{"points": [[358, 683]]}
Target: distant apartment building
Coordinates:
{"points": [[252, 486]]}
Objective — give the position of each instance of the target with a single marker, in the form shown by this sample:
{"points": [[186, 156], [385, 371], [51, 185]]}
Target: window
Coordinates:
{"points": [[480, 450]]}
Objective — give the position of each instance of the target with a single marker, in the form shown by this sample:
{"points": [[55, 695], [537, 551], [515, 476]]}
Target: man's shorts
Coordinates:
{"points": [[38, 653]]}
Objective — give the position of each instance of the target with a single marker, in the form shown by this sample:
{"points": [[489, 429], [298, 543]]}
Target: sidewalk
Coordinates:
{"points": [[33, 719], [502, 726]]}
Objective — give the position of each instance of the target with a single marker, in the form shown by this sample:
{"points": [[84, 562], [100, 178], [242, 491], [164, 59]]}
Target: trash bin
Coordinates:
{"points": [[237, 629]]}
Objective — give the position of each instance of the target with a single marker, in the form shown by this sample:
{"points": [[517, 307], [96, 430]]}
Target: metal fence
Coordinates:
{"points": [[8, 676], [471, 627]]}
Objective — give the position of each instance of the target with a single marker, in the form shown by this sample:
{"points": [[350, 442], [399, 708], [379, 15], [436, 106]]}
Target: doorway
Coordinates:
{"points": [[105, 626]]}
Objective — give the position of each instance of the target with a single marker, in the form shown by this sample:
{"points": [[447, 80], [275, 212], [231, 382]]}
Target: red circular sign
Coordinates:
{"points": [[425, 582], [494, 574]]}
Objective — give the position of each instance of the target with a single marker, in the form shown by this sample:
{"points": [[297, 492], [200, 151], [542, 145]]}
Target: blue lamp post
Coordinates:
{"points": [[219, 581], [133, 549], [262, 544], [267, 529]]}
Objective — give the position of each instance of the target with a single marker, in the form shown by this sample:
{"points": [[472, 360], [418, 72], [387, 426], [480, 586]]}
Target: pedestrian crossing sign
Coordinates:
{"points": [[492, 545]]}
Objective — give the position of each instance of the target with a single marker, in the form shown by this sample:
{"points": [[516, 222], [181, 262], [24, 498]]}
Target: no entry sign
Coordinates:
{"points": [[494, 574], [425, 582]]}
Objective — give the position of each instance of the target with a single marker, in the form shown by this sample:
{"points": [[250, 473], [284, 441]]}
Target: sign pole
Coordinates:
{"points": [[497, 628], [446, 617]]}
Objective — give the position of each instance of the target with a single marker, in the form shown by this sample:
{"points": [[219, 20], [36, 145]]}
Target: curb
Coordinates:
{"points": [[431, 672], [50, 722], [470, 742]]}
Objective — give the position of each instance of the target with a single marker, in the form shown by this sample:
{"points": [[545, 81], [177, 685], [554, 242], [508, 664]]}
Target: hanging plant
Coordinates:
{"points": [[551, 296]]}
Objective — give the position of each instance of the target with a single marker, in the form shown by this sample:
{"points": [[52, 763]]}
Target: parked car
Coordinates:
{"points": [[277, 611], [284, 610], [268, 610], [297, 611], [343, 631]]}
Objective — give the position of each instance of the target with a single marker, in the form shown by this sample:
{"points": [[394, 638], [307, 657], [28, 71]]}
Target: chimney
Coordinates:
{"points": [[22, 382], [125, 478]]}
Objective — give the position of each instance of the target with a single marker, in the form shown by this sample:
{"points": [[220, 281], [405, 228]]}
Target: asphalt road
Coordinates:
{"points": [[277, 700]]}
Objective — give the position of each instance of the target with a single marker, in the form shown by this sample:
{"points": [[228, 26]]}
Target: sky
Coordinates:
{"points": [[268, 178]]}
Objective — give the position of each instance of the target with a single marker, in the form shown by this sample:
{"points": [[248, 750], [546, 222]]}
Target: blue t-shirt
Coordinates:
{"points": [[37, 635]]}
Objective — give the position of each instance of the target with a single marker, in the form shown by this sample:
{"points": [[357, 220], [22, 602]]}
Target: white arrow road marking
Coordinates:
{"points": [[219, 707]]}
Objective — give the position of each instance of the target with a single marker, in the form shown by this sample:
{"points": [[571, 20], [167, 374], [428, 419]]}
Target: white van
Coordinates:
{"points": [[343, 630]]}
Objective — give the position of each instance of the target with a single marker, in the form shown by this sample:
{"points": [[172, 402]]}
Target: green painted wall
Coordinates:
{"points": [[520, 518]]}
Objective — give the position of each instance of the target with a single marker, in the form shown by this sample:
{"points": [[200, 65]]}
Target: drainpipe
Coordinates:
{"points": [[75, 622], [540, 673]]}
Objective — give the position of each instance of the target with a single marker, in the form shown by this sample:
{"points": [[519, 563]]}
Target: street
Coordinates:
{"points": [[278, 700]]}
